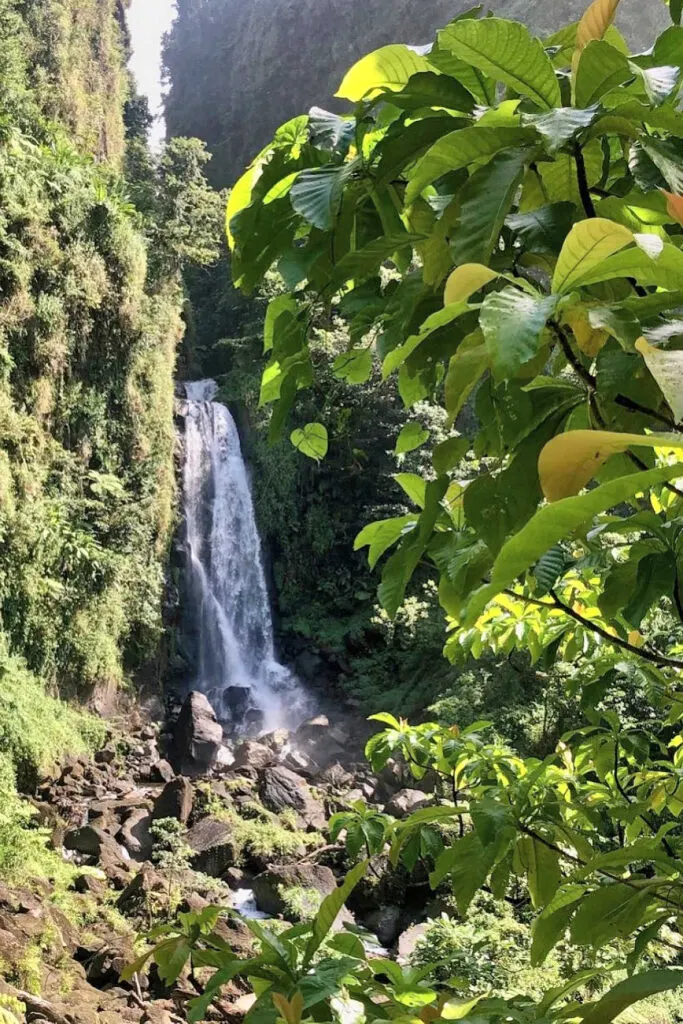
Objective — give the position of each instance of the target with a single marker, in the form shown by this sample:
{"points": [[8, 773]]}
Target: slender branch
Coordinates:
{"points": [[643, 652], [582, 178], [591, 383]]}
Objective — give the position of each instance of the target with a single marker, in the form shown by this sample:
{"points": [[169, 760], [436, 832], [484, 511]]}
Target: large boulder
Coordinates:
{"points": [[251, 754], [406, 801], [135, 834], [212, 845], [270, 888], [280, 789], [175, 800], [197, 737], [386, 924]]}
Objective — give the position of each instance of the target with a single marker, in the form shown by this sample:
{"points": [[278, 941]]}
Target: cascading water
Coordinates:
{"points": [[237, 668]]}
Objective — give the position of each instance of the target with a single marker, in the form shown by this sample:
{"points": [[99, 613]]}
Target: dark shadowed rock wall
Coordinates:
{"points": [[239, 68]]}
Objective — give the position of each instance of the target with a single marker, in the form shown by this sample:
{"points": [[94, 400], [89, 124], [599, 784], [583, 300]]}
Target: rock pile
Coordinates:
{"points": [[254, 820]]}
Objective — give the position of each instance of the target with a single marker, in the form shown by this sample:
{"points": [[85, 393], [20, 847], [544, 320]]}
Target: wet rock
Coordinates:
{"points": [[89, 885], [238, 701], [336, 776], [175, 801], [197, 737], [212, 847], [280, 788], [268, 886], [386, 924], [277, 740], [251, 754], [235, 878], [162, 772], [406, 801], [135, 834]]}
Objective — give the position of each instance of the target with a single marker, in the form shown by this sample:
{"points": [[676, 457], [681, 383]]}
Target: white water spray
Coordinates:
{"points": [[237, 669]]}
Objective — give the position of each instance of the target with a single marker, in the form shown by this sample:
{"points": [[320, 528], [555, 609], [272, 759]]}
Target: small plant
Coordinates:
{"points": [[171, 854]]}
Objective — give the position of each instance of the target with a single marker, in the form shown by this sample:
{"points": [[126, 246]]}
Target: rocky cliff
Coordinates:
{"points": [[237, 70]]}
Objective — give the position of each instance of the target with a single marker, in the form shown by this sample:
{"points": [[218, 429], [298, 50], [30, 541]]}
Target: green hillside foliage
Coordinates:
{"points": [[233, 78]]}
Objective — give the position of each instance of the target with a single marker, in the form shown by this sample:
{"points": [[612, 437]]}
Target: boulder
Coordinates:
{"points": [[135, 834], [405, 802], [312, 731], [161, 772], [280, 788], [105, 756], [212, 847], [386, 924], [277, 740], [175, 800], [197, 737], [408, 940], [268, 886], [87, 840], [137, 892], [251, 754]]}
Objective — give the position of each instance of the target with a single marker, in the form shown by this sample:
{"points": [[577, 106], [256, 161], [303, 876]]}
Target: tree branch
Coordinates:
{"points": [[582, 178], [557, 603]]}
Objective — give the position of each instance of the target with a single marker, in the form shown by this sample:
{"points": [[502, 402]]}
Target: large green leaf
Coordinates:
{"points": [[441, 318], [559, 126], [427, 89], [601, 68], [412, 436], [667, 156], [551, 925], [610, 912], [466, 863], [360, 264], [512, 323], [553, 523], [466, 367], [485, 202], [329, 909], [543, 230], [317, 194], [507, 52], [630, 991], [406, 144], [390, 67], [460, 149]]}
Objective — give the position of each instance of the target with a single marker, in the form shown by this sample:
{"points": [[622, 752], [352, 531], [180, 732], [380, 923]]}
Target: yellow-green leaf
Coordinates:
{"points": [[507, 52], [390, 67], [667, 370], [588, 243], [570, 461], [466, 367], [465, 281], [311, 440]]}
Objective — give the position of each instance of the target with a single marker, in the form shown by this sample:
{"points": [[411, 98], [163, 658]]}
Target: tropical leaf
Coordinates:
{"points": [[553, 523], [355, 366], [666, 271], [441, 318], [570, 461], [485, 202], [586, 246], [390, 67], [465, 369], [329, 909], [465, 281], [630, 991], [596, 21], [601, 68], [561, 125], [460, 149], [449, 454], [667, 369], [412, 436], [512, 323], [507, 52], [543, 230], [311, 440], [317, 194]]}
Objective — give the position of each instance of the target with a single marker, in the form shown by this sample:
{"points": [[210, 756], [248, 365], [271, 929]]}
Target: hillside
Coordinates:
{"points": [[236, 71]]}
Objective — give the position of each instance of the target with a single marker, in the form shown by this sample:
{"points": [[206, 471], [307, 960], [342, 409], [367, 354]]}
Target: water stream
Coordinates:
{"points": [[237, 667]]}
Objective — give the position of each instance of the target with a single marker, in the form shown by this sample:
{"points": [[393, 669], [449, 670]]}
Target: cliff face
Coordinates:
{"points": [[237, 70]]}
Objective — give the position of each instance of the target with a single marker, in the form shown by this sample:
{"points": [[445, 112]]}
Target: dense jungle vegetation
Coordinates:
{"points": [[93, 235], [493, 228]]}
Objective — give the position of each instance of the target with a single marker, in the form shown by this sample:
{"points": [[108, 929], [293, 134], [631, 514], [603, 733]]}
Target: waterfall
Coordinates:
{"points": [[237, 668]]}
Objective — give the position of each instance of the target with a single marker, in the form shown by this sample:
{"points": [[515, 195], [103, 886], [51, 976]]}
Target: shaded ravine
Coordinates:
{"points": [[237, 668]]}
